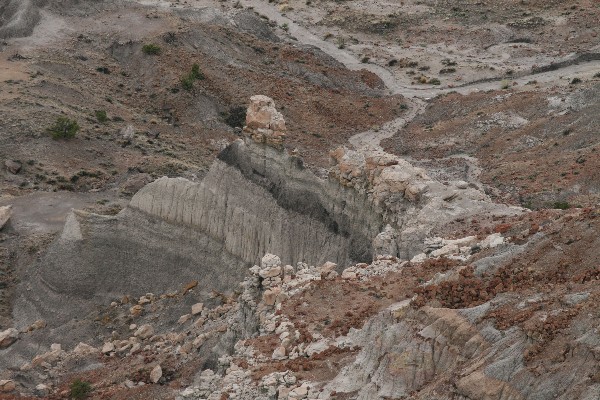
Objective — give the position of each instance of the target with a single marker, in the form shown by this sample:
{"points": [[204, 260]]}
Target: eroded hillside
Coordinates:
{"points": [[299, 200]]}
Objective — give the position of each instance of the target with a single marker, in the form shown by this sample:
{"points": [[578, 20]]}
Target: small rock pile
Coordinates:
{"points": [[457, 249], [8, 337], [12, 166], [264, 291], [143, 340], [379, 267]]}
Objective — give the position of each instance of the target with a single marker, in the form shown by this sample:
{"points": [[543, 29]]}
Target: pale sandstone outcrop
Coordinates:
{"points": [[412, 202], [457, 249], [264, 124], [144, 331], [385, 242], [156, 374], [84, 349], [7, 385], [197, 308]]}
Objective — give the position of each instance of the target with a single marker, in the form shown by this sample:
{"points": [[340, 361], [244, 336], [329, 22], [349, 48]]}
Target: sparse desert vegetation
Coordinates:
{"points": [[151, 49], [64, 128]]}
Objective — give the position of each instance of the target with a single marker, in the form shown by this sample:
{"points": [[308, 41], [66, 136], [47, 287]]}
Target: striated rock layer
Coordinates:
{"points": [[255, 200]]}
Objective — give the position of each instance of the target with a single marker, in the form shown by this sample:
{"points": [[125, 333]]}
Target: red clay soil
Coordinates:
{"points": [[331, 308], [564, 261]]}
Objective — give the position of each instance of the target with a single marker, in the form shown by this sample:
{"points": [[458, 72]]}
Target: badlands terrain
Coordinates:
{"points": [[301, 199]]}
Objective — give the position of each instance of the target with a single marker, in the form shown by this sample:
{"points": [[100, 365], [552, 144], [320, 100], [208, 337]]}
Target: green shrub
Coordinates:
{"points": [[449, 63], [236, 117], [187, 81], [561, 205], [528, 204], [64, 128], [151, 49], [80, 389], [196, 73], [101, 116], [505, 84]]}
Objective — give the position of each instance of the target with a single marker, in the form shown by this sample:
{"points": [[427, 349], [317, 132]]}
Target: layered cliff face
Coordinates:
{"points": [[258, 199], [255, 199]]}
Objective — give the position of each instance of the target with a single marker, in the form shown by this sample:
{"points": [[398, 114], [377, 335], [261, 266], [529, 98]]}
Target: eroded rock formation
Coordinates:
{"points": [[255, 199], [264, 124]]}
